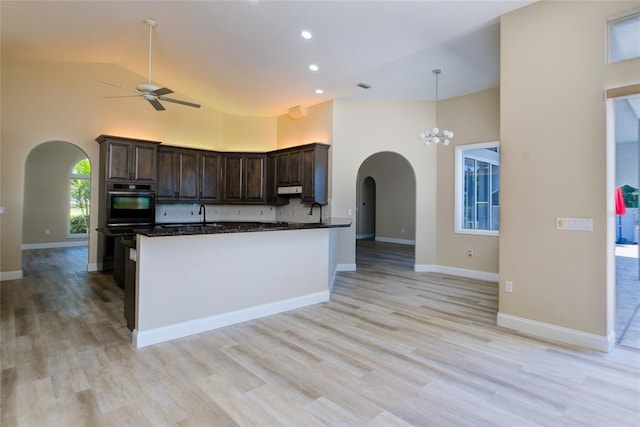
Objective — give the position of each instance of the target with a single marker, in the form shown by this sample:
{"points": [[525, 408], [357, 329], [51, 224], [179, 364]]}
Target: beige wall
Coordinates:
{"points": [[361, 129], [473, 119], [554, 163], [44, 101], [46, 195]]}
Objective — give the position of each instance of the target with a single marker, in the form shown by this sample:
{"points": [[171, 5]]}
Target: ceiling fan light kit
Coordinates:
{"points": [[148, 91], [434, 136]]}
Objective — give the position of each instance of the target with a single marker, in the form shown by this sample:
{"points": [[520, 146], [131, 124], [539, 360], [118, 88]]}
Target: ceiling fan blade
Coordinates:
{"points": [[121, 87], [123, 96], [162, 91], [156, 104], [178, 101]]}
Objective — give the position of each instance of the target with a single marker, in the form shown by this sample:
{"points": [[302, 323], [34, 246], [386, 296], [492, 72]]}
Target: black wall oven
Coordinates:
{"points": [[130, 205]]}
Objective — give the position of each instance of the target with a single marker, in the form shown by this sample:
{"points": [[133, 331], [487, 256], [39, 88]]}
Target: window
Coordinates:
{"points": [[624, 37], [477, 188], [79, 198]]}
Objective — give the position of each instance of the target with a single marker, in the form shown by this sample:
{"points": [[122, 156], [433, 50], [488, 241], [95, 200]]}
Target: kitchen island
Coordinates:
{"points": [[192, 278]]}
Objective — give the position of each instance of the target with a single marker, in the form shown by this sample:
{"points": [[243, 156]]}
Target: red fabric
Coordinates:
{"points": [[621, 209]]}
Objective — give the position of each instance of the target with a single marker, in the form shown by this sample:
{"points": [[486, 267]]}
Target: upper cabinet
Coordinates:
{"points": [[126, 159], [306, 167], [315, 173], [210, 177], [188, 175], [244, 178], [289, 167]]}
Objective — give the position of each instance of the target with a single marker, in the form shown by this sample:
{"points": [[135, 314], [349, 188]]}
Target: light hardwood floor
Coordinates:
{"points": [[392, 348]]}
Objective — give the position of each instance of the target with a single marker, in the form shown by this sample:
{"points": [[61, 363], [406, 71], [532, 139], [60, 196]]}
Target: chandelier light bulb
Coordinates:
{"points": [[434, 135]]}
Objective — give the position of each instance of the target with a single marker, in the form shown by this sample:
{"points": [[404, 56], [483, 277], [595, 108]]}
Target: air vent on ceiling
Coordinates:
{"points": [[364, 85]]}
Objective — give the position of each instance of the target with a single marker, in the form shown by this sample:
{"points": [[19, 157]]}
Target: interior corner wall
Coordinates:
{"points": [[473, 118], [554, 163]]}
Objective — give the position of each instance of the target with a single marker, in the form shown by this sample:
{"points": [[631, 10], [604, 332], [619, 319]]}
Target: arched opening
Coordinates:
{"points": [[386, 211], [56, 197], [366, 223]]}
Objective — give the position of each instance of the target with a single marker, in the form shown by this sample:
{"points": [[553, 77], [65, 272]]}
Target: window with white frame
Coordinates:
{"points": [[79, 198], [624, 36], [477, 188]]}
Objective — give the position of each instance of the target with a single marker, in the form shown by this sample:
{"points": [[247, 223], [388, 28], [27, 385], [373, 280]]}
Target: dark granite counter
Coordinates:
{"points": [[221, 227]]}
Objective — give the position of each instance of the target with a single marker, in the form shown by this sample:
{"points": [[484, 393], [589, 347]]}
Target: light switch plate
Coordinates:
{"points": [[574, 224]]}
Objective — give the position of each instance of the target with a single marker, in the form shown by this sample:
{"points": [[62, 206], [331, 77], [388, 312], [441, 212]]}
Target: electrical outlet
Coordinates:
{"points": [[508, 286], [470, 253]]}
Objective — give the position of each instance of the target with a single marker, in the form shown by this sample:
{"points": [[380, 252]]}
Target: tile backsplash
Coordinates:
{"points": [[295, 211]]}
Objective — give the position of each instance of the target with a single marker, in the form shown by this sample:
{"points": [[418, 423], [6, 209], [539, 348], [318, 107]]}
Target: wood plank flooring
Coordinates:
{"points": [[392, 348]]}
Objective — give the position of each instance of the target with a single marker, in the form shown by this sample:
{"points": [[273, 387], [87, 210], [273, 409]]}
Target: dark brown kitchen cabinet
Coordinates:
{"points": [[244, 178], [188, 175], [272, 182], [315, 173], [306, 166], [130, 160], [178, 177], [288, 166], [210, 174]]}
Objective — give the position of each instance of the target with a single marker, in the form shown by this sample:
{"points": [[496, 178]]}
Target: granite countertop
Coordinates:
{"points": [[221, 227]]}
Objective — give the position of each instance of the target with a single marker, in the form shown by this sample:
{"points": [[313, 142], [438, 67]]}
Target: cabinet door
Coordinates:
{"points": [[315, 164], [233, 168], [255, 178], [144, 163], [166, 189], [295, 168], [282, 169], [187, 174], [210, 164], [118, 161]]}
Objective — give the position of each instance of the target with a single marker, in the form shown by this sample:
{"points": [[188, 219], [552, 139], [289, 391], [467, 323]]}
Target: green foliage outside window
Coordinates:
{"points": [[80, 191], [630, 196]]}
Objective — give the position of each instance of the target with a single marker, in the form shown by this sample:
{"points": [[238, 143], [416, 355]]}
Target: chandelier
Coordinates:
{"points": [[434, 135]]}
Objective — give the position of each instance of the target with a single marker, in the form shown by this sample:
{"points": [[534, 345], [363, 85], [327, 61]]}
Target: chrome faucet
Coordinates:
{"points": [[203, 212], [311, 211]]}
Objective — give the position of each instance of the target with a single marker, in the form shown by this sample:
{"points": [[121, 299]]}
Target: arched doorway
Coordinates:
{"points": [[54, 175], [366, 224], [386, 214]]}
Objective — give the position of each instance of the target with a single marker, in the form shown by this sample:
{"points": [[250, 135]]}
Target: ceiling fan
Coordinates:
{"points": [[152, 93]]}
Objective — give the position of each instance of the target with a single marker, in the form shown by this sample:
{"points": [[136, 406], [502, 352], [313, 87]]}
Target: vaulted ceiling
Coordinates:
{"points": [[247, 57]]}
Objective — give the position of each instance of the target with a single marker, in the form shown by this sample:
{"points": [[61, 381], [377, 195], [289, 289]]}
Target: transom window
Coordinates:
{"points": [[478, 188], [624, 36]]}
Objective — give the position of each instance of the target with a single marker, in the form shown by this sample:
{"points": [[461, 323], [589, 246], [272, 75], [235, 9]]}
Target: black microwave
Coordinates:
{"points": [[130, 205]]}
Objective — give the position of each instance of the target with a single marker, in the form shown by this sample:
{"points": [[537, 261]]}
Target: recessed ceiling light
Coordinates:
{"points": [[319, 91], [313, 67], [306, 34]]}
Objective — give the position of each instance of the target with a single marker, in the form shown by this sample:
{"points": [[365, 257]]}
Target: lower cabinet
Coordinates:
{"points": [[130, 285]]}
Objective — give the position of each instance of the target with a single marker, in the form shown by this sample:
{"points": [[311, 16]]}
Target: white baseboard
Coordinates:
{"points": [[345, 267], [92, 267], [52, 245], [394, 240], [454, 271], [10, 275], [154, 336], [425, 268], [471, 274], [556, 333], [365, 236]]}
